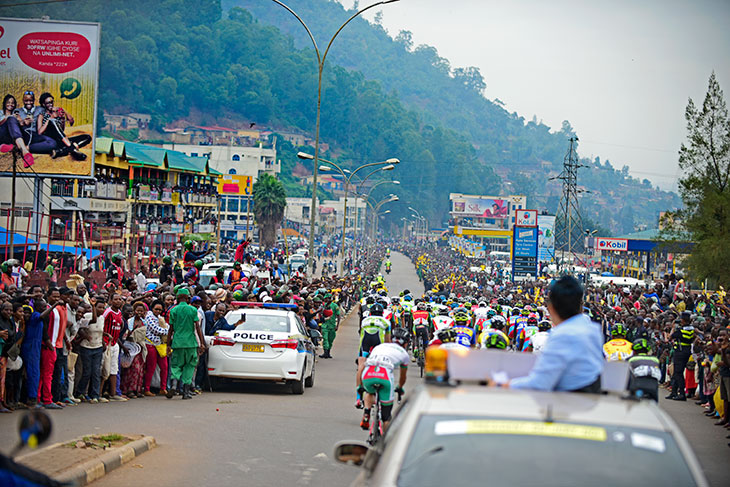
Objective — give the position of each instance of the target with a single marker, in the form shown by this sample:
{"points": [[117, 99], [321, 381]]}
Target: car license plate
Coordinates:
{"points": [[252, 347]]}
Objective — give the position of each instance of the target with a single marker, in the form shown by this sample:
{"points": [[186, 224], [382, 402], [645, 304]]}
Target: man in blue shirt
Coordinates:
{"points": [[572, 359]]}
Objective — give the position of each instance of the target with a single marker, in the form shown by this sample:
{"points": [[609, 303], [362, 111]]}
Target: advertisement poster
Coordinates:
{"points": [[546, 238], [484, 206], [231, 184], [49, 82]]}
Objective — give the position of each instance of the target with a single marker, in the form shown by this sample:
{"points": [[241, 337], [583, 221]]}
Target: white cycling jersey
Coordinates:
{"points": [[441, 322], [538, 341], [388, 355]]}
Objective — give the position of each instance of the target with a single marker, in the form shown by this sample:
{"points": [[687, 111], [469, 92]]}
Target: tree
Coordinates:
{"points": [[269, 199], [705, 186]]}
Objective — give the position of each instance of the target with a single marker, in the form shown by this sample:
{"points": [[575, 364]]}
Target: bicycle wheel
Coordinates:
{"points": [[375, 429]]}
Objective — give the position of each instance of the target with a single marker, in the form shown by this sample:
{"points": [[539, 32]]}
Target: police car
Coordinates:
{"points": [[469, 434], [272, 344]]}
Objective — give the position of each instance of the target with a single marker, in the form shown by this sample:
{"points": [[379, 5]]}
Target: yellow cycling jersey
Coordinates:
{"points": [[617, 349], [486, 333]]}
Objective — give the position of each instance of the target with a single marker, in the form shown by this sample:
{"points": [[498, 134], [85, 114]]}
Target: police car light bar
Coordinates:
{"points": [[256, 304]]}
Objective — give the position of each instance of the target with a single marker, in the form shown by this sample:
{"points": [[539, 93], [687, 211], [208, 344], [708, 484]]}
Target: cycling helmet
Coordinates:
{"points": [[198, 264], [618, 330], [491, 313], [383, 292], [467, 305], [405, 292], [515, 311], [500, 301], [167, 259], [461, 316], [544, 325], [444, 312], [370, 300], [498, 322], [641, 346], [532, 321], [395, 300], [525, 312], [498, 308], [408, 298], [446, 335], [421, 306], [376, 309], [418, 300], [482, 304], [401, 337], [495, 340]]}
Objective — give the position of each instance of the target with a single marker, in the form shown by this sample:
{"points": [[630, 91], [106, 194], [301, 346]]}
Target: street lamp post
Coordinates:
{"points": [[388, 199], [367, 196], [320, 67], [387, 165]]}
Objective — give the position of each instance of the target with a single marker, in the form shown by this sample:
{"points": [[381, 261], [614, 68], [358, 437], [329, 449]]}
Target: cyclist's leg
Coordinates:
{"points": [[375, 380]]}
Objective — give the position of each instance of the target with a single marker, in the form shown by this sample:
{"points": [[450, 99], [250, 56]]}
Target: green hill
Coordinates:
{"points": [[382, 98]]}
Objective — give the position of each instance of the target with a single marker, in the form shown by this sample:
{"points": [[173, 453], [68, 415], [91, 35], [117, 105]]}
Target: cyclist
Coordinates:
{"points": [[527, 332], [618, 348], [377, 376], [644, 370], [482, 316], [497, 324], [442, 319], [537, 341], [462, 325], [422, 326], [374, 330], [387, 266]]}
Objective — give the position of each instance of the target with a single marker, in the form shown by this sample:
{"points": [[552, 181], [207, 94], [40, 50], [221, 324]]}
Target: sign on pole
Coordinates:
{"points": [[49, 74], [524, 245]]}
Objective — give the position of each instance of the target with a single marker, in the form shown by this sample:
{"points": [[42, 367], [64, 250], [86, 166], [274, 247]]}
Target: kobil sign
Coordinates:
{"points": [[616, 244]]}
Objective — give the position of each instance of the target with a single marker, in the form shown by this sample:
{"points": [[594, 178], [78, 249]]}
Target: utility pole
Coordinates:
{"points": [[12, 203], [569, 223]]}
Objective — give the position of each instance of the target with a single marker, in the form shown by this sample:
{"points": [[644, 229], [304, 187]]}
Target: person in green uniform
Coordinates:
{"points": [[329, 325], [185, 348]]}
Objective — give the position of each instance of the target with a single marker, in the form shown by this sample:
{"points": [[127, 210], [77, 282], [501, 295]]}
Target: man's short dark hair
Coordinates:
{"points": [[566, 296]]}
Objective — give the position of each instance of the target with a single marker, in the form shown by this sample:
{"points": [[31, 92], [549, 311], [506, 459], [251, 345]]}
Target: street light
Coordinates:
{"points": [[320, 67], [387, 165]]}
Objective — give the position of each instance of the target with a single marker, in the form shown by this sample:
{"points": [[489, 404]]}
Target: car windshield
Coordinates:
{"points": [[260, 322], [457, 450]]}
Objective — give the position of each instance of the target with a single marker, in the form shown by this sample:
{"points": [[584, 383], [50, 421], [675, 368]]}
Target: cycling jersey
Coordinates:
{"points": [[440, 322], [537, 341], [374, 325], [421, 318], [489, 332], [465, 335], [527, 332], [617, 349]]}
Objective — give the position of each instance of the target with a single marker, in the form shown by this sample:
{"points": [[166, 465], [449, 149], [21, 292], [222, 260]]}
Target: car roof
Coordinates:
{"points": [[262, 311], [609, 409]]}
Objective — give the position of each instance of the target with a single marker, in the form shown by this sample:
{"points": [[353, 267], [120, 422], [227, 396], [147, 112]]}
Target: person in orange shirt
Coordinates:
{"points": [[618, 348]]}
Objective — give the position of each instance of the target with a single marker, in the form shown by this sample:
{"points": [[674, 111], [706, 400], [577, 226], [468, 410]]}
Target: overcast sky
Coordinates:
{"points": [[620, 71]]}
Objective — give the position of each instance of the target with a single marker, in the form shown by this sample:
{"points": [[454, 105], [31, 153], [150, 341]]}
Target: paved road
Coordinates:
{"points": [[248, 434]]}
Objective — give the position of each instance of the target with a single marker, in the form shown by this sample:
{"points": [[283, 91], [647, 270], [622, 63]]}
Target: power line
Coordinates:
{"points": [[568, 221]]}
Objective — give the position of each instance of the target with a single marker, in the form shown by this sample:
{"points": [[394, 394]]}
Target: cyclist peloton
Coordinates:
{"points": [[377, 376]]}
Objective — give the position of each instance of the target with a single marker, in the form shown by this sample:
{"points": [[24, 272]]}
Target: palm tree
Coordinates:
{"points": [[269, 199]]}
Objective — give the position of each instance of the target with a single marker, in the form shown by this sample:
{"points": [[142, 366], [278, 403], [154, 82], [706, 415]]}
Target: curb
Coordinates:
{"points": [[96, 468]]}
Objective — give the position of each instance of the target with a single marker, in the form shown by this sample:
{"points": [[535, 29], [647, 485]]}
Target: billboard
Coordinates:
{"points": [[617, 244], [484, 206], [546, 238], [49, 82], [526, 218], [234, 185]]}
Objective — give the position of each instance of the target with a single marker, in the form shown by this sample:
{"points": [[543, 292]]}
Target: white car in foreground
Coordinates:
{"points": [[272, 344]]}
